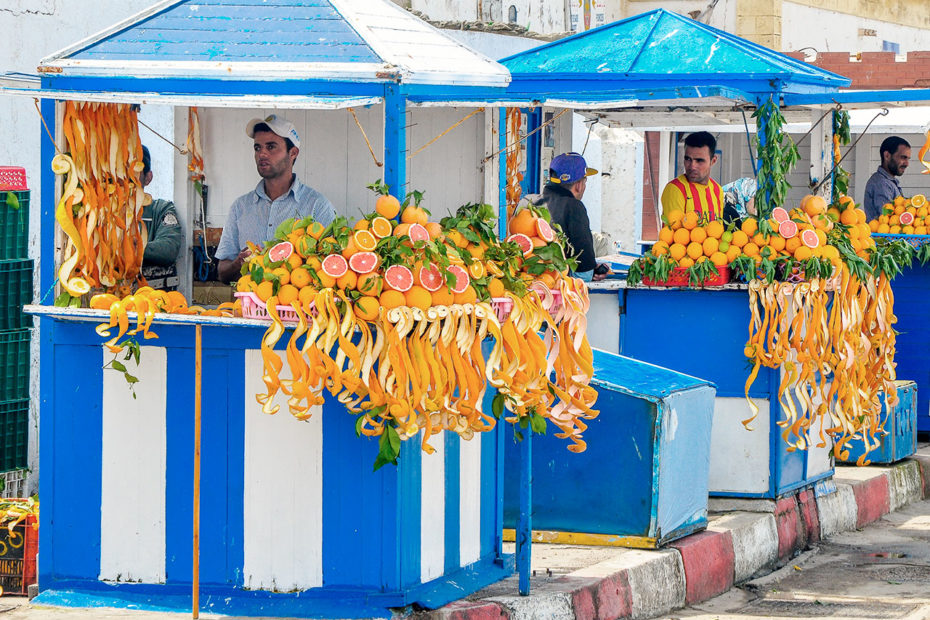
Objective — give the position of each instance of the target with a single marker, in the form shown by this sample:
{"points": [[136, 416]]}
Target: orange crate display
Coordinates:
{"points": [[18, 551], [679, 277]]}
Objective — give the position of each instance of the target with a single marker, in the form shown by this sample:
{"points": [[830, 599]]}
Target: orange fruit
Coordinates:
{"points": [[777, 243], [418, 297], [714, 229], [392, 299], [677, 250], [523, 222], [468, 296], [444, 296], [287, 294], [381, 227], [295, 261], [306, 295], [710, 246], [918, 200], [803, 252], [401, 229], [849, 217], [414, 215], [690, 220], [698, 234], [750, 226], [369, 284], [362, 224], [387, 206], [760, 240], [719, 259], [265, 290], [243, 285], [674, 219], [476, 270], [814, 205], [326, 280], [434, 229], [300, 277], [900, 201], [284, 276], [459, 240], [751, 249], [686, 262], [364, 240], [366, 308], [732, 253], [347, 281], [315, 229], [695, 249], [682, 236], [495, 288], [667, 235], [883, 229], [350, 248], [659, 248], [739, 239], [873, 225]]}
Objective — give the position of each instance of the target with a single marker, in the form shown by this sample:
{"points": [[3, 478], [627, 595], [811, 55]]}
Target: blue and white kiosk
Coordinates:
{"points": [[293, 521]]}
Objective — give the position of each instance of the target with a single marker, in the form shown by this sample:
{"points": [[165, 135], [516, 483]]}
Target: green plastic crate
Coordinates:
{"points": [[14, 433], [14, 364], [14, 225], [15, 291]]}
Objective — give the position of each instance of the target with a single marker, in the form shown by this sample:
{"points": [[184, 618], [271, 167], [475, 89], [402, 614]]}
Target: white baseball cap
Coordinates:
{"points": [[278, 124]]}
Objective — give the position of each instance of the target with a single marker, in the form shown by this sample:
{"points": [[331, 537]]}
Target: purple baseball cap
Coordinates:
{"points": [[568, 168]]}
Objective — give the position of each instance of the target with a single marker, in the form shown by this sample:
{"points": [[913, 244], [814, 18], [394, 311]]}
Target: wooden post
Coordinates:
{"points": [[196, 564]]}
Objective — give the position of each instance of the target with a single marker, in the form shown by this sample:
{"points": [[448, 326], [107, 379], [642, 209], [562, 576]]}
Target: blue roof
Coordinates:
{"points": [[659, 49], [296, 41]]}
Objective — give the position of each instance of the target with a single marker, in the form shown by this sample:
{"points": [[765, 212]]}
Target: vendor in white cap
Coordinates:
{"points": [[278, 196]]}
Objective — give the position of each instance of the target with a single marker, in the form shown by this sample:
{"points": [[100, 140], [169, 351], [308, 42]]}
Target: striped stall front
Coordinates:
{"points": [[293, 519]]}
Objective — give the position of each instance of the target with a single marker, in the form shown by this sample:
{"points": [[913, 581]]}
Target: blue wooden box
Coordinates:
{"points": [[293, 522], [703, 333], [900, 422], [912, 348], [642, 480]]}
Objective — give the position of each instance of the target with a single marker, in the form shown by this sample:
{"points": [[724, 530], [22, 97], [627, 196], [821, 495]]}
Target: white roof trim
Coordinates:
{"points": [[281, 102]]}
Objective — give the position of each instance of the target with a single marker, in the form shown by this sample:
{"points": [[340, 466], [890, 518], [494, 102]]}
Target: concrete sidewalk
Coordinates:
{"points": [[581, 583]]}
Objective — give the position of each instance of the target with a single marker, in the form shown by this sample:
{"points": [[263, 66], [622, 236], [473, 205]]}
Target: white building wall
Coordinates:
{"points": [[722, 15], [803, 26]]}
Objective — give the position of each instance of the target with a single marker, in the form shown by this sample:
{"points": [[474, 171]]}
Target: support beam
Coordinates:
{"points": [[395, 141]]}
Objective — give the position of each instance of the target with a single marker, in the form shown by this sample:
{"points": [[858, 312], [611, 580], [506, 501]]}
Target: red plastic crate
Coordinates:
{"points": [[13, 178], [679, 277], [18, 571]]}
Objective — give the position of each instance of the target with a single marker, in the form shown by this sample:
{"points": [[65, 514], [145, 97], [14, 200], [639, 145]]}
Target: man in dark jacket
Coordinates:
{"points": [[164, 236], [568, 179]]}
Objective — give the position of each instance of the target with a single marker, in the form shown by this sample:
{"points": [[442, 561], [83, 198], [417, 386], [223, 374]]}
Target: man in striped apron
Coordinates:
{"points": [[695, 190]]}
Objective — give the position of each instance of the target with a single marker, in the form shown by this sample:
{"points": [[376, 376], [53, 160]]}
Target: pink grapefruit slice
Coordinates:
{"points": [[906, 218], [780, 215], [810, 238], [281, 251], [788, 229], [462, 279], [431, 278], [544, 230], [418, 232], [398, 278], [525, 243], [335, 265], [363, 262]]}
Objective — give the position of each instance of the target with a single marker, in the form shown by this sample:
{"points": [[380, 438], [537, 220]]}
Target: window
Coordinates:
{"points": [[512, 14], [890, 46]]}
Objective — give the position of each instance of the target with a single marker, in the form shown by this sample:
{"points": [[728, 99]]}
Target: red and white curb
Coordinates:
{"points": [[735, 547]]}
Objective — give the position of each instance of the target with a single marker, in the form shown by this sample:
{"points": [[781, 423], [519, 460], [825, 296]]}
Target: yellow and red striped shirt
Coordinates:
{"points": [[682, 195]]}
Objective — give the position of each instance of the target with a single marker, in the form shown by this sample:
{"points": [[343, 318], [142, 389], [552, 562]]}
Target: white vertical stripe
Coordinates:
{"points": [[132, 483], [470, 499], [432, 507], [283, 492]]}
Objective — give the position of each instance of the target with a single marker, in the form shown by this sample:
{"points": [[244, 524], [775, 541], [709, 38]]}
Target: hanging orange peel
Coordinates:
{"points": [[922, 153]]}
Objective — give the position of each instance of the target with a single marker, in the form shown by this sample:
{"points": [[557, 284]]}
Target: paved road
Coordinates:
{"points": [[881, 572]]}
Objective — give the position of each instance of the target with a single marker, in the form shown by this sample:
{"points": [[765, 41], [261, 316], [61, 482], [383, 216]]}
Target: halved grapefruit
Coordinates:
{"points": [[430, 277], [525, 243], [787, 229], [544, 230], [779, 215], [810, 239], [418, 232], [462, 279], [906, 218], [363, 262], [398, 278], [335, 265], [281, 251]]}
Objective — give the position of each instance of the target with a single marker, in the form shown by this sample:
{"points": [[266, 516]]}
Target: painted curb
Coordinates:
{"points": [[755, 542], [708, 560], [837, 510], [906, 485]]}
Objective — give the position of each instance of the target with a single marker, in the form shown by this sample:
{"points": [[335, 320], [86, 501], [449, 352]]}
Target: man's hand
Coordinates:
{"points": [[228, 270], [600, 272]]}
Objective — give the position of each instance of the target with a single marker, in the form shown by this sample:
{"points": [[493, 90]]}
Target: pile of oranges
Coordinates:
{"points": [[905, 216], [807, 231]]}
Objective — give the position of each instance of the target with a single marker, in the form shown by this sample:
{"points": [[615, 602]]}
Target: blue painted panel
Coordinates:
{"points": [[637, 378], [900, 422], [284, 32], [215, 87], [405, 537], [76, 445], [912, 352], [699, 333]]}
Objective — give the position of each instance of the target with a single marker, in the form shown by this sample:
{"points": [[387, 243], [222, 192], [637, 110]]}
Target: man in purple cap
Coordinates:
{"points": [[568, 179]]}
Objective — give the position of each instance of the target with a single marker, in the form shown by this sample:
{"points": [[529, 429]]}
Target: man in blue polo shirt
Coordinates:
{"points": [[277, 197], [882, 187]]}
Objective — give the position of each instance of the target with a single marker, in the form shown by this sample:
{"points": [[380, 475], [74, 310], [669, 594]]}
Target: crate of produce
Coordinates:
{"points": [[13, 483], [15, 292], [19, 547], [14, 212], [14, 364], [14, 433], [899, 423], [679, 277]]}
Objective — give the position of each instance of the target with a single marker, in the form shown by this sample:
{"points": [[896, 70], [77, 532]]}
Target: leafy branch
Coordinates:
{"points": [[777, 154], [133, 352], [841, 136]]}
